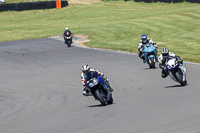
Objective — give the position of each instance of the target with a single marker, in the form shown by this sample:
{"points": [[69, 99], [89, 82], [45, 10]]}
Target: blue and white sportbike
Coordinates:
{"points": [[97, 86], [150, 54], [176, 70]]}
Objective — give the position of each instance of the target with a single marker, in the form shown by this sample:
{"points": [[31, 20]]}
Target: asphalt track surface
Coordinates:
{"points": [[41, 92]]}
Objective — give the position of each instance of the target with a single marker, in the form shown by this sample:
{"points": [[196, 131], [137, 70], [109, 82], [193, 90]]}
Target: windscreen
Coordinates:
{"points": [[148, 45], [169, 58], [89, 75]]}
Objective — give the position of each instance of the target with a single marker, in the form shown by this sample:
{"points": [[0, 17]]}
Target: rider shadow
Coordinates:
{"points": [[99, 105], [70, 46], [175, 86], [150, 68]]}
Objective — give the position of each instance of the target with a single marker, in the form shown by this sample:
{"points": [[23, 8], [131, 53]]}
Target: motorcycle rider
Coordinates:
{"points": [[66, 33], [144, 41], [86, 68], [162, 61]]}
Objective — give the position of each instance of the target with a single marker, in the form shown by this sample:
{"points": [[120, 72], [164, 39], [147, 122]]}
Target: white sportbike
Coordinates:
{"points": [[176, 70]]}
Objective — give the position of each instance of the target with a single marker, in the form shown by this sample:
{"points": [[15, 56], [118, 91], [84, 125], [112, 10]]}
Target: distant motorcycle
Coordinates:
{"points": [[176, 70], [96, 85], [150, 54], [68, 39]]}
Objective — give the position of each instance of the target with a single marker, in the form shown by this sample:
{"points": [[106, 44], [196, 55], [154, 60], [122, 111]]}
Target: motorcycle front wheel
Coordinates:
{"points": [[100, 96], [110, 100], [152, 64], [179, 77], [68, 42]]}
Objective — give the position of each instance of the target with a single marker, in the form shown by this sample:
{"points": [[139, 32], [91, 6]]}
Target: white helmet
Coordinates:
{"points": [[165, 52], [66, 28], [85, 68]]}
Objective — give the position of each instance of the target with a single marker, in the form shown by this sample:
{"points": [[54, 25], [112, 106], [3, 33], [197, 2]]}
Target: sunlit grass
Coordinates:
{"points": [[114, 25]]}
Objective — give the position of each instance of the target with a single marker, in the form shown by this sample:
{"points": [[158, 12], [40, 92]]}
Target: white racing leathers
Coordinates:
{"points": [[149, 41]]}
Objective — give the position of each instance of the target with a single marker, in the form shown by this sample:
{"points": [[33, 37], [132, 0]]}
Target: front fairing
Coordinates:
{"points": [[149, 48], [92, 79], [171, 63], [149, 52], [172, 66]]}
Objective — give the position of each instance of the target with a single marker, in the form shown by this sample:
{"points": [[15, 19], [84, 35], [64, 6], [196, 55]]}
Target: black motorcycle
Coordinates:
{"points": [[68, 39]]}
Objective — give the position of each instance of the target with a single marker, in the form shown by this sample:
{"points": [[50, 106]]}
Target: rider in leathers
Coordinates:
{"points": [[66, 33], [144, 41], [86, 91], [162, 61]]}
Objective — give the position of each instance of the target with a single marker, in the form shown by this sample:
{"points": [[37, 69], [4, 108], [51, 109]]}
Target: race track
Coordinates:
{"points": [[41, 92]]}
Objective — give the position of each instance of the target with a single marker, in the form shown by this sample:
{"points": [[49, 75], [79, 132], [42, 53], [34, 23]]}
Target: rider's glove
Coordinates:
{"points": [[101, 75], [162, 66], [179, 59]]}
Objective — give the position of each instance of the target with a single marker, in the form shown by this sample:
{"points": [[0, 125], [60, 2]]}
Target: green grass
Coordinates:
{"points": [[113, 25]]}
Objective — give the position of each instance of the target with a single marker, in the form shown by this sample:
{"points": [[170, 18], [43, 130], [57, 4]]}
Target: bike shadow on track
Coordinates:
{"points": [[100, 105], [175, 86], [70, 46], [151, 68]]}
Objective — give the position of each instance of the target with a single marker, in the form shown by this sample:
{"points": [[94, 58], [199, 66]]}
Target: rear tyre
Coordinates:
{"points": [[100, 96]]}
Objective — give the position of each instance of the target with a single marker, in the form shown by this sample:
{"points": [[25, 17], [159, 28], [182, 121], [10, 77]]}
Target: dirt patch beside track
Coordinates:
{"points": [[78, 40]]}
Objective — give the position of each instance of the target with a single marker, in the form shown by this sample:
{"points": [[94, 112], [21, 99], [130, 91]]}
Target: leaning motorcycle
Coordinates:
{"points": [[150, 54], [68, 39], [96, 85], [176, 70]]}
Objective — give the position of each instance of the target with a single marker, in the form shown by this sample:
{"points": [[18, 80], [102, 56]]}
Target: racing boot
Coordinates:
{"points": [[140, 54], [164, 73], [142, 57], [144, 61], [86, 92]]}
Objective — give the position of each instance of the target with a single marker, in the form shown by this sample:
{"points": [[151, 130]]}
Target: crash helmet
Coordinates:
{"points": [[66, 28], [85, 68], [144, 38], [165, 52]]}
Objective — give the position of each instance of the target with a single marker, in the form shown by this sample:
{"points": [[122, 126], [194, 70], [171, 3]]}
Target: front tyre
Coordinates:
{"points": [[110, 100], [151, 63], [100, 96], [68, 43], [179, 77]]}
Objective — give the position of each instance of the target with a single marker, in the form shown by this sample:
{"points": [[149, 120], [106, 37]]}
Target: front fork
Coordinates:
{"points": [[183, 69], [104, 85]]}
